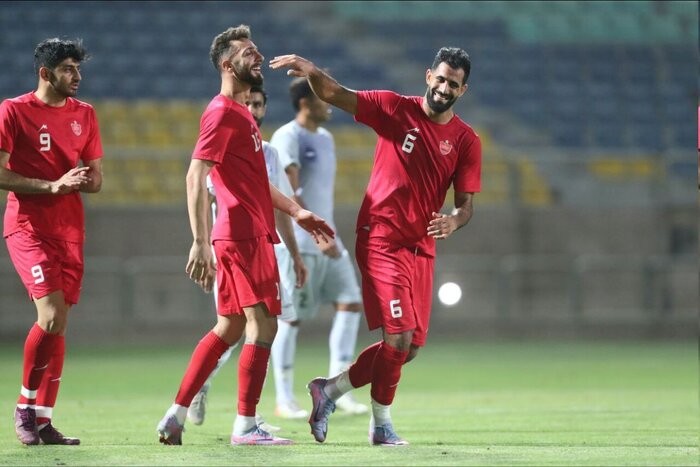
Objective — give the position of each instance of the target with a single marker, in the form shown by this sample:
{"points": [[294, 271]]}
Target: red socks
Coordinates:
{"points": [[361, 371], [38, 350], [386, 373], [48, 390], [252, 368], [202, 363], [379, 364]]}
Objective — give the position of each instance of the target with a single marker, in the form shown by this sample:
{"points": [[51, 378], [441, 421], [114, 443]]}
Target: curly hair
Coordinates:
{"points": [[50, 52], [222, 43], [456, 58]]}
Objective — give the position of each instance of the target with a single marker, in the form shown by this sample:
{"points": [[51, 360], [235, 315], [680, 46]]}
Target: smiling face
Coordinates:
{"points": [[246, 62], [445, 86], [64, 78]]}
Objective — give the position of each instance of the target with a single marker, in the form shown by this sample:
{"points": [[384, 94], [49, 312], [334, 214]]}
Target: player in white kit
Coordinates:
{"points": [[292, 271], [307, 152]]}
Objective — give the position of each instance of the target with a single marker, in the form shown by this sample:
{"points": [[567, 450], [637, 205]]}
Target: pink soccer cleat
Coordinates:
{"points": [[322, 407], [258, 436], [25, 426]]}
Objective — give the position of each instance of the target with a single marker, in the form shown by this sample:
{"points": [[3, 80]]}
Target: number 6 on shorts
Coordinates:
{"points": [[396, 311]]}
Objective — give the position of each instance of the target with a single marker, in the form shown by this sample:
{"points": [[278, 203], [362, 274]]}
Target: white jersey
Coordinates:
{"points": [[314, 154]]}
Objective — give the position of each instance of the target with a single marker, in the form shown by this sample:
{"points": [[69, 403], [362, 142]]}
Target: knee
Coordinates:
{"points": [[262, 330], [401, 341], [53, 320], [412, 353]]}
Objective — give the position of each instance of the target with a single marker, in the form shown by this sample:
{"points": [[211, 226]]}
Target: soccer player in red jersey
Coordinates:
{"points": [[43, 136], [423, 148], [230, 148]]}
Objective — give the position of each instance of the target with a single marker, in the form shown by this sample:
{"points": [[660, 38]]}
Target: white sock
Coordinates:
{"points": [[283, 350], [338, 385], [342, 340], [380, 413], [243, 424], [179, 411]]}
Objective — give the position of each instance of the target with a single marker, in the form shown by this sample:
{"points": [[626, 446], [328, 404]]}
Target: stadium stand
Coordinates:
{"points": [[594, 76]]}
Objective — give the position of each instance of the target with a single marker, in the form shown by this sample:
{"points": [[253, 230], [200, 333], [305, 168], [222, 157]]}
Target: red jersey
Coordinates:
{"points": [[229, 137], [45, 142], [415, 161]]}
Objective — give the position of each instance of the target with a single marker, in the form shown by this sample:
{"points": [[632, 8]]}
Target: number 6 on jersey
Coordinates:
{"points": [[396, 311]]}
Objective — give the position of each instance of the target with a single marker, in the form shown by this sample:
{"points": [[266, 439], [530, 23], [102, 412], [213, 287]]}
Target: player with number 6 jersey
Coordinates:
{"points": [[423, 148], [44, 136]]}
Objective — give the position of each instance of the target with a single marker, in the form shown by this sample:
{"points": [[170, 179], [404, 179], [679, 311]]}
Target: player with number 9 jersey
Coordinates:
{"points": [[44, 138]]}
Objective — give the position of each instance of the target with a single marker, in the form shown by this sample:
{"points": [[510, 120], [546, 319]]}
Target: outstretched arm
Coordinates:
{"points": [[72, 180], [307, 220], [443, 225], [323, 85]]}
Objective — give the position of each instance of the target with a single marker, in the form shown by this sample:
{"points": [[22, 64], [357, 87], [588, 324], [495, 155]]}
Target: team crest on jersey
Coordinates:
{"points": [[77, 129], [445, 147]]}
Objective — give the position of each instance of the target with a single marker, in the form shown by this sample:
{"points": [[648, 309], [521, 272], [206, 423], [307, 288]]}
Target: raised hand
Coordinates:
{"points": [[317, 227], [70, 181], [298, 66]]}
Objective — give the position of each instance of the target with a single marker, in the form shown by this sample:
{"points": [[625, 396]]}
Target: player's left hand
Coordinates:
{"points": [[317, 227], [441, 226]]}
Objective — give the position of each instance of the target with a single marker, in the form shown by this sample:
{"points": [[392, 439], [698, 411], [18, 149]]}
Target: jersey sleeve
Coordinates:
{"points": [[374, 106], [215, 132], [8, 127], [468, 174], [93, 146], [287, 145]]}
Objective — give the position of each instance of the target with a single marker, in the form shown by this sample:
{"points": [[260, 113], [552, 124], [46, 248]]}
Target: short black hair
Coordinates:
{"points": [[260, 90], [50, 52], [456, 58], [299, 89]]}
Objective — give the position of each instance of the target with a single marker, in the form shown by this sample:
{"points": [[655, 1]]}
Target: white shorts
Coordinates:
{"points": [[287, 281], [330, 280]]}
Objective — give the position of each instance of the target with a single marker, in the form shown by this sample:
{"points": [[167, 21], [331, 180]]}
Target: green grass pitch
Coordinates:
{"points": [[483, 403]]}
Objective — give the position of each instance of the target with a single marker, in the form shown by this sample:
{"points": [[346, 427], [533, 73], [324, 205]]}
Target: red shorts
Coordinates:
{"points": [[247, 274], [46, 265], [397, 286]]}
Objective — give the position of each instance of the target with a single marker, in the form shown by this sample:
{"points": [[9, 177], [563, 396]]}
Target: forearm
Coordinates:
{"points": [[286, 230], [94, 185], [463, 212], [329, 90], [283, 203], [197, 208], [12, 181]]}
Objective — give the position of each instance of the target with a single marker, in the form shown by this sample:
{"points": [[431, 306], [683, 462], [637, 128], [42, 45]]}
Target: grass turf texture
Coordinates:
{"points": [[487, 403]]}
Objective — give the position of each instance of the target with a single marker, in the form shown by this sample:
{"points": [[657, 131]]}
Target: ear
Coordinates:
{"points": [[428, 76], [44, 73], [463, 89]]}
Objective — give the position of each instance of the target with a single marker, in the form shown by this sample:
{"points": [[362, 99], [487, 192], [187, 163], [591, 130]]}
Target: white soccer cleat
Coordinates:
{"points": [[198, 408], [348, 404], [291, 410]]}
